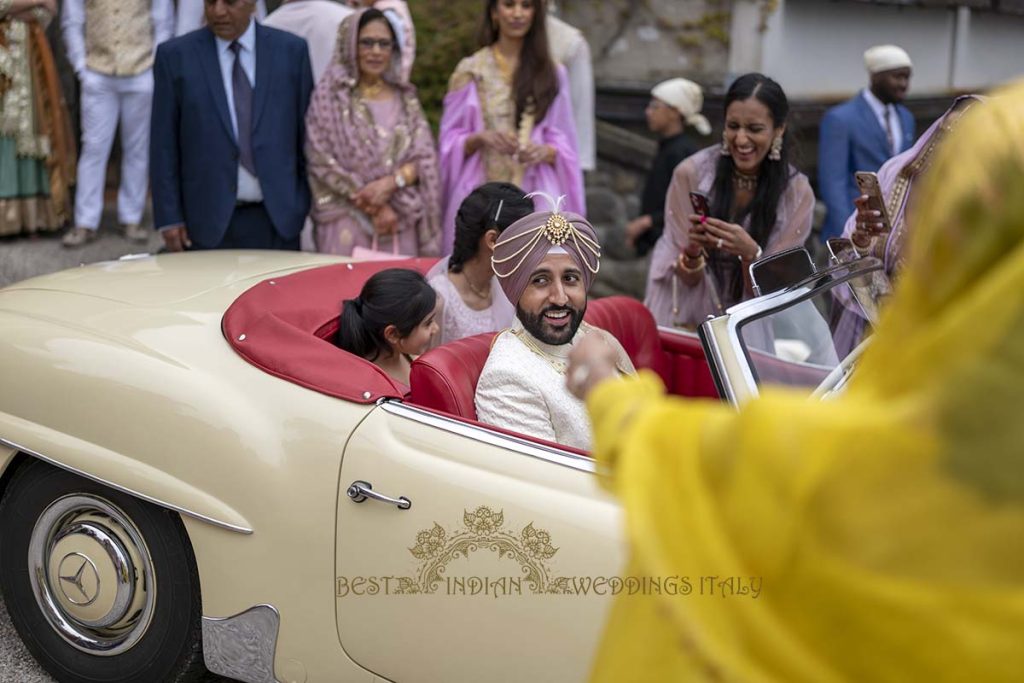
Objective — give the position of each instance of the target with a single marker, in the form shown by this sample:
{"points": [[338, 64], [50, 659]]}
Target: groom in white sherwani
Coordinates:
{"points": [[545, 263]]}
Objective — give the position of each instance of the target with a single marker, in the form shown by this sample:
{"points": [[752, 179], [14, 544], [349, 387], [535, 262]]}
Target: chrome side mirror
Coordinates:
{"points": [[781, 270]]}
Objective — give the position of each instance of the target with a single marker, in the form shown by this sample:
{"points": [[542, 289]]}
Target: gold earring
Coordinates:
{"points": [[775, 153], [725, 146]]}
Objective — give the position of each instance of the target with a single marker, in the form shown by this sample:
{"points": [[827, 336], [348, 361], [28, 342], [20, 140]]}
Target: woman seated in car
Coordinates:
{"points": [[470, 298], [392, 320]]}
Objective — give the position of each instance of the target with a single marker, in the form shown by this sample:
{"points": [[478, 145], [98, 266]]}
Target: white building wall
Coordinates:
{"points": [[815, 48], [990, 50]]}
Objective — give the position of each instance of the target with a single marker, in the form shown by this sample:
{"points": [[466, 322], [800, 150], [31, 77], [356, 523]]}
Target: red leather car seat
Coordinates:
{"points": [[445, 378], [633, 325]]}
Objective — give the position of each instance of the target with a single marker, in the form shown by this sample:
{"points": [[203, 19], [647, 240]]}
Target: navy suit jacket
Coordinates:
{"points": [[852, 140], [193, 150]]}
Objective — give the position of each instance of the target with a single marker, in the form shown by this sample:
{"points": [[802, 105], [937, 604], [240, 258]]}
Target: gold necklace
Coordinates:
{"points": [[744, 181], [504, 66], [525, 337], [473, 288], [371, 91]]}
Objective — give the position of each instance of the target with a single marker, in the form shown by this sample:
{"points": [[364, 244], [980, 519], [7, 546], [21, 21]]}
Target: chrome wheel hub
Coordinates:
{"points": [[92, 574]]}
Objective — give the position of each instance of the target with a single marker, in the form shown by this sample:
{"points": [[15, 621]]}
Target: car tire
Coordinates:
{"points": [[102, 587]]}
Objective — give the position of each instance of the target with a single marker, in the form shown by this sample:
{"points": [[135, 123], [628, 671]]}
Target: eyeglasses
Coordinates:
{"points": [[370, 43]]}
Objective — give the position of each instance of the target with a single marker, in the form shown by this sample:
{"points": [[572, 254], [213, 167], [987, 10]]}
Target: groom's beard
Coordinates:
{"points": [[539, 326]]}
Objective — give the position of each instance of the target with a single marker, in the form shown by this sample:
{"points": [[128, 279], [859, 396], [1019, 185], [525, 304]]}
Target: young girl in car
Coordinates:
{"points": [[392, 320]]}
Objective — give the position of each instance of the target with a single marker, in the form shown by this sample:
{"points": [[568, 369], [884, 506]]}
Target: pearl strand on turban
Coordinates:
{"points": [[524, 244]]}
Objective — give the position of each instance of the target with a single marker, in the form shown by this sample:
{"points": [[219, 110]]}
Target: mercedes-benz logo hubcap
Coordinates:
{"points": [[79, 579]]}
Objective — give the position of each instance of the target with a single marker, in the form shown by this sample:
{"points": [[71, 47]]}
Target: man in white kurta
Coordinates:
{"points": [[111, 44], [545, 263], [315, 20], [191, 15], [569, 48]]}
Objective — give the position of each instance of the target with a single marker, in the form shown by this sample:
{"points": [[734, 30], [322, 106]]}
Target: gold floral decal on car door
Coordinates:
{"points": [[484, 529]]}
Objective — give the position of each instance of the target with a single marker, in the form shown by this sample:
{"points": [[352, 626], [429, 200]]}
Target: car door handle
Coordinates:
{"points": [[359, 491]]}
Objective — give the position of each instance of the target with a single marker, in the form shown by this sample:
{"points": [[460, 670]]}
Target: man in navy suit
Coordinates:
{"points": [[228, 129], [862, 133]]}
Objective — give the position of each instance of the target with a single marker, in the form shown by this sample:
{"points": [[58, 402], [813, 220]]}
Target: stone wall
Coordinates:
{"points": [[644, 41], [613, 199]]}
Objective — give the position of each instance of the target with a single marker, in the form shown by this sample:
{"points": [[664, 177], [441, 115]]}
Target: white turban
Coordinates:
{"points": [[687, 98], [886, 58]]}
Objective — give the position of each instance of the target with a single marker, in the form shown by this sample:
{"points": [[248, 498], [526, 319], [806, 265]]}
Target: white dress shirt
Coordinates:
{"points": [[248, 185], [881, 112]]}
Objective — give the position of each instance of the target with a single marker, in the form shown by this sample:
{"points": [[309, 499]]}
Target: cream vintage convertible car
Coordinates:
{"points": [[193, 477]]}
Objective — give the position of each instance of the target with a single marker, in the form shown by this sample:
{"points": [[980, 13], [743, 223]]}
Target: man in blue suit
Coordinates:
{"points": [[228, 128], [862, 133]]}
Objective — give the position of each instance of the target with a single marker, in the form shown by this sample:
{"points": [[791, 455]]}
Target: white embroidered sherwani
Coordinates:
{"points": [[522, 387]]}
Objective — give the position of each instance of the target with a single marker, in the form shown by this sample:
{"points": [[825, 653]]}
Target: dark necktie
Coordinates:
{"points": [[888, 130], [242, 91]]}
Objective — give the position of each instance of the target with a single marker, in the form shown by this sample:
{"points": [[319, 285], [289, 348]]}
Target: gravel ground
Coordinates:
{"points": [[23, 257], [16, 664]]}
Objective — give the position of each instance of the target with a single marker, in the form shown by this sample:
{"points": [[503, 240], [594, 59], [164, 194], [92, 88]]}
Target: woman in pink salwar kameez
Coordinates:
{"points": [[508, 116], [370, 154]]}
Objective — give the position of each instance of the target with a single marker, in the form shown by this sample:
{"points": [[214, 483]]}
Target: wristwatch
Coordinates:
{"points": [[400, 180]]}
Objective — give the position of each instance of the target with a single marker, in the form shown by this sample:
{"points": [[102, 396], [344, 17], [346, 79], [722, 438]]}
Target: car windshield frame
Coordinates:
{"points": [[746, 312]]}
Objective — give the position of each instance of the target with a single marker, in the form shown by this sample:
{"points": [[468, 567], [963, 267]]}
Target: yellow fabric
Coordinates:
{"points": [[886, 526]]}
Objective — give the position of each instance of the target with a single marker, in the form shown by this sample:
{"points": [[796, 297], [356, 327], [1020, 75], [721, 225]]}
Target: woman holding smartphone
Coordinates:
{"points": [[758, 204], [871, 236]]}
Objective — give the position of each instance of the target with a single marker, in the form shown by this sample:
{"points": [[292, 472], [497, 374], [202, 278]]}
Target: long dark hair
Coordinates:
{"points": [[396, 296], [479, 213], [535, 79], [773, 176]]}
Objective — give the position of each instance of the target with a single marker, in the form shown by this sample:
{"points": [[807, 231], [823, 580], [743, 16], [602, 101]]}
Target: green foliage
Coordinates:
{"points": [[446, 32]]}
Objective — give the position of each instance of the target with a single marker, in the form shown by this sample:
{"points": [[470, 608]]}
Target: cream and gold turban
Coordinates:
{"points": [[687, 98], [886, 58], [524, 244]]}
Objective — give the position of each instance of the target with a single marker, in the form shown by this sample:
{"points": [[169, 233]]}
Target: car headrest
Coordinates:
{"points": [[445, 378]]}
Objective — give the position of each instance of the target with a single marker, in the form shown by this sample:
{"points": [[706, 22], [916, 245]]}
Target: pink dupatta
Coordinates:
{"points": [[345, 150], [463, 116]]}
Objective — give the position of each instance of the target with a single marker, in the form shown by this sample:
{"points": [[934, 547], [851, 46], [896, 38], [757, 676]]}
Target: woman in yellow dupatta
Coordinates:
{"points": [[885, 525]]}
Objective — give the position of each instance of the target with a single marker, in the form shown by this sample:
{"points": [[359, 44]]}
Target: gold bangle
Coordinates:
{"points": [[864, 251]]}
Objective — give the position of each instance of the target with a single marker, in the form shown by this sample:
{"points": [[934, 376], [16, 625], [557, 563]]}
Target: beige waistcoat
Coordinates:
{"points": [[118, 36]]}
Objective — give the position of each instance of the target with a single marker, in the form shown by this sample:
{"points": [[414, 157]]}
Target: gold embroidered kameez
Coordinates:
{"points": [[37, 158]]}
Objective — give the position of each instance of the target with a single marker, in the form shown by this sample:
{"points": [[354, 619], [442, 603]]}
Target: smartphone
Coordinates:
{"points": [[700, 203], [867, 183]]}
